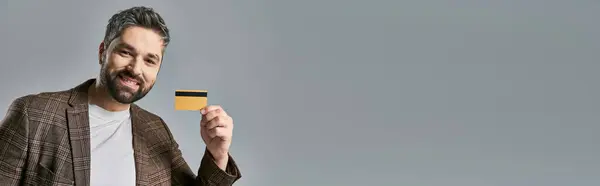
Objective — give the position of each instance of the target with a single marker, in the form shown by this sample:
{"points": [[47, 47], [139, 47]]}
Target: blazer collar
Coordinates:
{"points": [[79, 134]]}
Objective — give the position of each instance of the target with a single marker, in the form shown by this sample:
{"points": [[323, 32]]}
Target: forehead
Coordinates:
{"points": [[143, 40]]}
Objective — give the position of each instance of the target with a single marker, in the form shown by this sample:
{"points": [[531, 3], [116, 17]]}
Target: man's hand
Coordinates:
{"points": [[216, 129]]}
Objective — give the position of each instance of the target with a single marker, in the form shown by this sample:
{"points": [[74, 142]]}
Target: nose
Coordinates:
{"points": [[135, 67]]}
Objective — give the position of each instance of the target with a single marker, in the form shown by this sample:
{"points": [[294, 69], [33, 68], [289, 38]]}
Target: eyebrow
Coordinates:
{"points": [[154, 56], [129, 47]]}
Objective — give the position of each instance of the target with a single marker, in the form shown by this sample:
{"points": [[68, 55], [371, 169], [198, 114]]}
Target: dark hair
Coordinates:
{"points": [[135, 16]]}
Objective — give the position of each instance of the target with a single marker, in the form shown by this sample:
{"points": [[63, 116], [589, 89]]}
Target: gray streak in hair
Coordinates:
{"points": [[136, 16]]}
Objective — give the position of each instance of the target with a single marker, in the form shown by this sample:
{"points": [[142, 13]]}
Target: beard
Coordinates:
{"points": [[120, 92]]}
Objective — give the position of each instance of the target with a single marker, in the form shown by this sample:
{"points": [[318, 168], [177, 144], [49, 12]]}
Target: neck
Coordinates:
{"points": [[98, 95]]}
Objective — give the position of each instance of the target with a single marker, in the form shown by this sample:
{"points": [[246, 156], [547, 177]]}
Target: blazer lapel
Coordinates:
{"points": [[140, 148], [79, 133]]}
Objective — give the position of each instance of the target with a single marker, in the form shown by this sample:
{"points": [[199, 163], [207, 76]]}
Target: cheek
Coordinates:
{"points": [[116, 61], [150, 75]]}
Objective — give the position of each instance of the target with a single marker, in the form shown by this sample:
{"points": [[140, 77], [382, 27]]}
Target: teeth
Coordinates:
{"points": [[128, 81]]}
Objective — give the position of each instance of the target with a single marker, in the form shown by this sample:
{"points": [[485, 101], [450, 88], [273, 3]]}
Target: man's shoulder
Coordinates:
{"points": [[145, 115], [152, 123], [149, 118], [41, 100]]}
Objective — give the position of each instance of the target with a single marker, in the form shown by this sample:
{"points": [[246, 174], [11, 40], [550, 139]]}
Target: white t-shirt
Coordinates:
{"points": [[112, 160]]}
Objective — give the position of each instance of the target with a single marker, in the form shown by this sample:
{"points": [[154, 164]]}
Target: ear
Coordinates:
{"points": [[101, 52]]}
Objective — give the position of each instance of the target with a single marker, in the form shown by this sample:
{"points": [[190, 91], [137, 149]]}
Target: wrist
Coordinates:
{"points": [[221, 162], [220, 156]]}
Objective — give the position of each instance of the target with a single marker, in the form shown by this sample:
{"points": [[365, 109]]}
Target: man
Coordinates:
{"points": [[94, 134]]}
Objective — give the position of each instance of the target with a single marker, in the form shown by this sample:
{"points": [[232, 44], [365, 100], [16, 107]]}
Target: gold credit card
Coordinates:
{"points": [[190, 99]]}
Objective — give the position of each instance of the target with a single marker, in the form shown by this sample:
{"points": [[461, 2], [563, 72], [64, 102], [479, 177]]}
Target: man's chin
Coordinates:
{"points": [[124, 97], [124, 94]]}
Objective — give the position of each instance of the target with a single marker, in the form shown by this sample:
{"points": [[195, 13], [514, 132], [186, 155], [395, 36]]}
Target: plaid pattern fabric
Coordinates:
{"points": [[45, 140]]}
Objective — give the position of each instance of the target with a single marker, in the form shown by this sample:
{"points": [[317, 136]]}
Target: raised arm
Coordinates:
{"points": [[209, 173]]}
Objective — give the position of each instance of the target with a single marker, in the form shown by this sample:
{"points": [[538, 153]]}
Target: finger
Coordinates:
{"points": [[219, 132], [209, 108], [203, 121], [213, 133], [203, 133], [209, 116], [216, 122], [220, 121], [212, 114]]}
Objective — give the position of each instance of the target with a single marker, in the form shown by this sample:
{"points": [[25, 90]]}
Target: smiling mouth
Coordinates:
{"points": [[129, 82]]}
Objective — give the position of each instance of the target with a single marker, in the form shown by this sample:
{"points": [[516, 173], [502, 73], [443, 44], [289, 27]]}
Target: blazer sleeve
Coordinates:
{"points": [[209, 174], [13, 142]]}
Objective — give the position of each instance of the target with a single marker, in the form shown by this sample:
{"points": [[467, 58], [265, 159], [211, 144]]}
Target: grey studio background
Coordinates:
{"points": [[346, 92]]}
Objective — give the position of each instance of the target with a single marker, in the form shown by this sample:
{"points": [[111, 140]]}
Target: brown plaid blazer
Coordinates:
{"points": [[45, 140]]}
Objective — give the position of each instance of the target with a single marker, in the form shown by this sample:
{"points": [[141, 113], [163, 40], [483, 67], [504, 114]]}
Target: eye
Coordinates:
{"points": [[150, 61], [125, 53]]}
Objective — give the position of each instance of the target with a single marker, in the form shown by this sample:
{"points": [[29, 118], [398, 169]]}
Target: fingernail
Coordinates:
{"points": [[202, 111]]}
